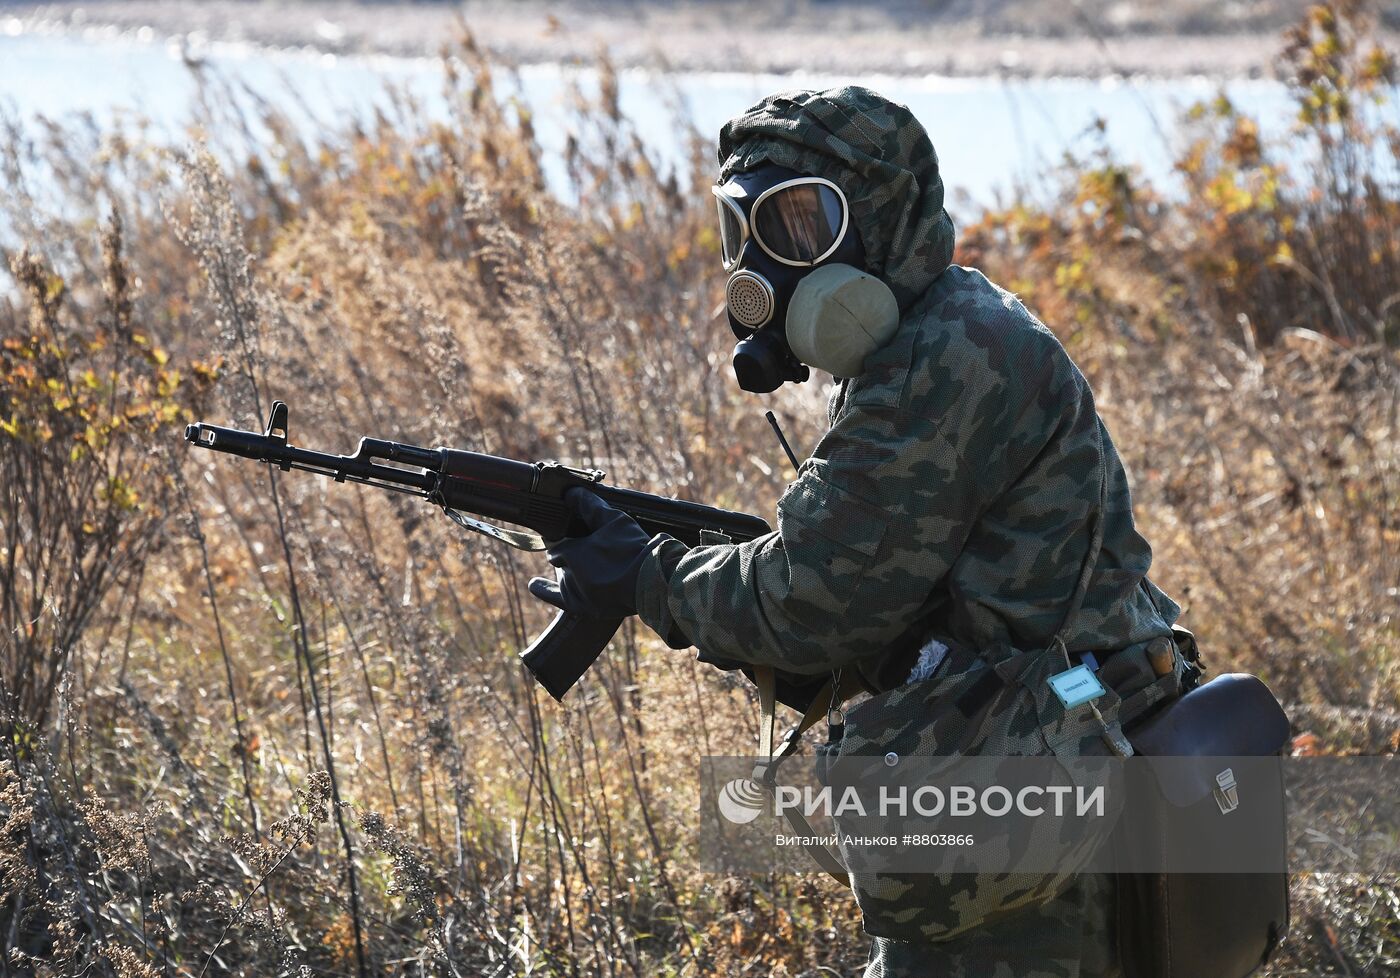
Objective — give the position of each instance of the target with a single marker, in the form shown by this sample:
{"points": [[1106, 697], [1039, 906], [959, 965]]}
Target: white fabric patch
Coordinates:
{"points": [[930, 658]]}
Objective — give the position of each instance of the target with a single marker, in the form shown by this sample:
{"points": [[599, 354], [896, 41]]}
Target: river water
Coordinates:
{"points": [[993, 135]]}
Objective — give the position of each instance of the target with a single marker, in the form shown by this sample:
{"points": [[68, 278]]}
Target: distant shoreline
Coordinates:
{"points": [[831, 37]]}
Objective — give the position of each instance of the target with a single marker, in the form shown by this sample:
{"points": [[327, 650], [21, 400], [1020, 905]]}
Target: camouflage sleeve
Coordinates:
{"points": [[849, 565], [874, 520]]}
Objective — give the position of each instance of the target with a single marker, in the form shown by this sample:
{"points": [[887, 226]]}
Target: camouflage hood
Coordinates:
{"points": [[875, 151]]}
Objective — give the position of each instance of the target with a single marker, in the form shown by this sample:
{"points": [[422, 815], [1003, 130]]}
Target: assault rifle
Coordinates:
{"points": [[469, 485]]}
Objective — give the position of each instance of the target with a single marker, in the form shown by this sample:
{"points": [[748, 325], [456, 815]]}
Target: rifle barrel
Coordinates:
{"points": [[359, 467]]}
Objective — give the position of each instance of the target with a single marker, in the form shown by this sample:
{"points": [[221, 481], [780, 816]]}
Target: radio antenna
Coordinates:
{"points": [[782, 440]]}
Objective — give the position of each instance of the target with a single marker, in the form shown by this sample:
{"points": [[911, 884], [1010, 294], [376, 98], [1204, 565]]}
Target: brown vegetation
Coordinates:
{"points": [[257, 724]]}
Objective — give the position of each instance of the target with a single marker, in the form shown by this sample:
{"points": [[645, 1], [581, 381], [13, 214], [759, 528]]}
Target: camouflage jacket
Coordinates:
{"points": [[952, 495]]}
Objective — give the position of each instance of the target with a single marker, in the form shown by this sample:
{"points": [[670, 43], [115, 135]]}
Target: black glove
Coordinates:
{"points": [[597, 572]]}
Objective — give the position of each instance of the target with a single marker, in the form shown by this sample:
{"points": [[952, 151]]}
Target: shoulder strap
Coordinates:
{"points": [[1091, 557], [1112, 734], [766, 771]]}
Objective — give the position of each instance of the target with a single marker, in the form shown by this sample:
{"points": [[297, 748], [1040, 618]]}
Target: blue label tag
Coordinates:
{"points": [[1076, 686]]}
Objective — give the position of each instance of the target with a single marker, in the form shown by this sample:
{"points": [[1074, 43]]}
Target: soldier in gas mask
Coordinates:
{"points": [[964, 488]]}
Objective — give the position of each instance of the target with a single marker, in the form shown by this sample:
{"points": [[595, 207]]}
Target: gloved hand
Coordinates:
{"points": [[597, 572]]}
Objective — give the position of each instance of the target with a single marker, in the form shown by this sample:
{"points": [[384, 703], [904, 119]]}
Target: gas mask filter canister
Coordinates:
{"points": [[838, 316]]}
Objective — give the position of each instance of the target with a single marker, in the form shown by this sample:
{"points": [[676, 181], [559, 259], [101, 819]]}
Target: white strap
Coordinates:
{"points": [[765, 773]]}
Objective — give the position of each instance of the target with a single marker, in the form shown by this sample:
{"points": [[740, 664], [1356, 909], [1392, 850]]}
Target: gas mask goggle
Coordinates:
{"points": [[797, 294]]}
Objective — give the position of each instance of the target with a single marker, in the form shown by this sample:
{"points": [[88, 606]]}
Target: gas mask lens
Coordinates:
{"points": [[731, 228], [797, 222], [800, 222]]}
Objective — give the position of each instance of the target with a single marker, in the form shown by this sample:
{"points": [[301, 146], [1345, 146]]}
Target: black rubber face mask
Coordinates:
{"points": [[776, 226]]}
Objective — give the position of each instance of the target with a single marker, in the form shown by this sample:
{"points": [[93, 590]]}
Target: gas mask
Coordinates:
{"points": [[778, 228]]}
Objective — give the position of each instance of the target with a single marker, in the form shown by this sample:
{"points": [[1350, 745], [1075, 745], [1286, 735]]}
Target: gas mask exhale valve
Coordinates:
{"points": [[763, 362], [776, 226]]}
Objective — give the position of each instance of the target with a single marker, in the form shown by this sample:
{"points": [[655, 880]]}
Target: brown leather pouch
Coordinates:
{"points": [[1217, 924]]}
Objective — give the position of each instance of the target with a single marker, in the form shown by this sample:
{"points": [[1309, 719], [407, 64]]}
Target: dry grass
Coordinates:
{"points": [[281, 729]]}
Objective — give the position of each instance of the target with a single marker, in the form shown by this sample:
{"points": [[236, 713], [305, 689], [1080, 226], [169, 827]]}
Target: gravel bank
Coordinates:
{"points": [[1025, 38]]}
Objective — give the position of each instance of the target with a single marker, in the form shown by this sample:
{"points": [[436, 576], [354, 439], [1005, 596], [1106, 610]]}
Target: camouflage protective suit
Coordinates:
{"points": [[950, 498]]}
